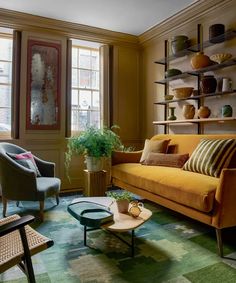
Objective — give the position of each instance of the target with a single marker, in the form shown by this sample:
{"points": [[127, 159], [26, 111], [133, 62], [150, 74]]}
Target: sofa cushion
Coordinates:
{"points": [[169, 160], [211, 156], [190, 189], [158, 146]]}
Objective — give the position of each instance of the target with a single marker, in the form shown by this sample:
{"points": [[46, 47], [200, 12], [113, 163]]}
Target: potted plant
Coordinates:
{"points": [[122, 199], [94, 144]]}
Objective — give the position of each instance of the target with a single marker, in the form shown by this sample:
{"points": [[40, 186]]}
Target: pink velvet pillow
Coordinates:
{"points": [[168, 160]]}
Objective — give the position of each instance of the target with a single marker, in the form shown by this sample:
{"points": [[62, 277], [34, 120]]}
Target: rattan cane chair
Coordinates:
{"points": [[18, 242]]}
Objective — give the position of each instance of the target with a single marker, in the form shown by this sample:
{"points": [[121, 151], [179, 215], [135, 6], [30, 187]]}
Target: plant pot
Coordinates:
{"points": [[94, 164], [200, 60], [216, 32], [122, 205]]}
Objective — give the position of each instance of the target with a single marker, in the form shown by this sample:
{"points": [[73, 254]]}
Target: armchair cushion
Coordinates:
{"points": [[25, 159]]}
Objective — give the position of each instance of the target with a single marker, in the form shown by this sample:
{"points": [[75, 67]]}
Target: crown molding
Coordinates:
{"points": [[23, 21], [186, 16]]}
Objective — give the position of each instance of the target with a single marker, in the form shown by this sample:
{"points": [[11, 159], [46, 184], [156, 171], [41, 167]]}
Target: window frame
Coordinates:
{"points": [[7, 134], [78, 88]]}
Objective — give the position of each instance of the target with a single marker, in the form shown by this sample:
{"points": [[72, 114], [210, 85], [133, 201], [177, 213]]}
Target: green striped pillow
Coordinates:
{"points": [[210, 156]]}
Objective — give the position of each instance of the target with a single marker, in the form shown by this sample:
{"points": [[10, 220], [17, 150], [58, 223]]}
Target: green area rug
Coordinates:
{"points": [[169, 248]]}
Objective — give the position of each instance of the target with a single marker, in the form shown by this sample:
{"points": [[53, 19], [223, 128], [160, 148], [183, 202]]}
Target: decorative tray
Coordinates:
{"points": [[90, 214]]}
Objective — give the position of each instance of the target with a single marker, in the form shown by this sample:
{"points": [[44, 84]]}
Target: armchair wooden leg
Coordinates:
{"points": [[57, 198], [28, 267], [219, 242], [41, 207], [4, 206]]}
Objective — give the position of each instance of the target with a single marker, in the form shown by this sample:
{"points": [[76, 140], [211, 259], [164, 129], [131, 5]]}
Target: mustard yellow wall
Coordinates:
{"points": [[134, 73], [51, 145], [205, 13]]}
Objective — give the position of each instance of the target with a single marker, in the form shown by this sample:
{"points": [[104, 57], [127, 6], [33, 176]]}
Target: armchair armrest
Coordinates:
{"points": [[47, 169], [126, 157], [15, 224], [224, 214]]}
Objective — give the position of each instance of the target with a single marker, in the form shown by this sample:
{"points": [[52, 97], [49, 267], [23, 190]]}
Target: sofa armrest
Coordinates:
{"points": [[224, 214], [126, 157]]}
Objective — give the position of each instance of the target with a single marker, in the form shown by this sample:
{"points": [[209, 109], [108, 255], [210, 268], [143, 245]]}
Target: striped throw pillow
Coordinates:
{"points": [[210, 156]]}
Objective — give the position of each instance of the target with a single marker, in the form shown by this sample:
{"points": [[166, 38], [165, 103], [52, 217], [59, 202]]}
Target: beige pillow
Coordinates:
{"points": [[158, 146], [168, 160]]}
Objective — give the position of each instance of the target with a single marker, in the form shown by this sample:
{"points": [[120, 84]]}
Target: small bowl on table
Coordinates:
{"points": [[183, 92]]}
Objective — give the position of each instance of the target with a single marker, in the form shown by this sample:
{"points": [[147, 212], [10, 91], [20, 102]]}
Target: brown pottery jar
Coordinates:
{"points": [[216, 33], [204, 112], [208, 84]]}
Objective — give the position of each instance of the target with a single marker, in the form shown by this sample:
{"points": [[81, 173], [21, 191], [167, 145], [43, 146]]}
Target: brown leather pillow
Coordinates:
{"points": [[168, 160], [158, 146]]}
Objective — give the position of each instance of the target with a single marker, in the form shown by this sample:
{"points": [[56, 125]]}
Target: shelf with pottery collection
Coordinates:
{"points": [[206, 85]]}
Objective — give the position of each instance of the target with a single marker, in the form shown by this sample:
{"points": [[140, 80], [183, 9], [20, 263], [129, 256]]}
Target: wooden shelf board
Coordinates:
{"points": [[203, 120], [196, 97]]}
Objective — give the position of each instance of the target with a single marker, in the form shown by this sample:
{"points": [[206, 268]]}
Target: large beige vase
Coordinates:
{"points": [[188, 111]]}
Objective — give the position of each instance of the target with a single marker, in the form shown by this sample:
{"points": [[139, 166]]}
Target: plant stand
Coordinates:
{"points": [[95, 183]]}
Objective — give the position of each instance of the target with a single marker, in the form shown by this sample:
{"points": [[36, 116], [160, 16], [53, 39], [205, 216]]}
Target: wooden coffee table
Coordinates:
{"points": [[122, 222]]}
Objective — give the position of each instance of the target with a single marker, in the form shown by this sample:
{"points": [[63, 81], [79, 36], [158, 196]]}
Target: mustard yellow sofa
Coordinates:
{"points": [[208, 199]]}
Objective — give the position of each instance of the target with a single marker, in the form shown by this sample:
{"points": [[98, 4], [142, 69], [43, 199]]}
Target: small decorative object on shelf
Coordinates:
{"points": [[214, 33], [226, 84], [172, 72], [227, 111], [200, 60], [188, 111], [182, 92], [204, 112], [208, 84], [172, 114], [135, 208], [169, 97], [221, 57], [179, 43]]}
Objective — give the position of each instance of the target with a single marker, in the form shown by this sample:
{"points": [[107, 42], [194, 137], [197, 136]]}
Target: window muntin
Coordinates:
{"points": [[85, 98]]}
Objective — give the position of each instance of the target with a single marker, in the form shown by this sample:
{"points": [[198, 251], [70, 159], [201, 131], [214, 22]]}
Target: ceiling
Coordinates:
{"points": [[128, 16]]}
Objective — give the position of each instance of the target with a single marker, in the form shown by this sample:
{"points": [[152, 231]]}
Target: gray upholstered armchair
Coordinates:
{"points": [[20, 183]]}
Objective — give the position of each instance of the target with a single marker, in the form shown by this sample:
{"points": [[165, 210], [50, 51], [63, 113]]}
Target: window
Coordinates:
{"points": [[5, 82], [85, 95]]}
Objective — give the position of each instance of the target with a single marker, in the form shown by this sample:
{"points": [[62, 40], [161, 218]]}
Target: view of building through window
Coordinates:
{"points": [[85, 98], [5, 82]]}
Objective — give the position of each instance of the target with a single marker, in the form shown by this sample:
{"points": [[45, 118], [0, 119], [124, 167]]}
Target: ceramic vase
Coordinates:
{"points": [[208, 84], [227, 111], [200, 60], [179, 43], [216, 32], [204, 112], [172, 114], [188, 111]]}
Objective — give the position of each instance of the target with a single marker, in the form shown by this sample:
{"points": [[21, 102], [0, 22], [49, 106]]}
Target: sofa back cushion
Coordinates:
{"points": [[158, 146], [188, 142], [211, 156], [168, 160]]}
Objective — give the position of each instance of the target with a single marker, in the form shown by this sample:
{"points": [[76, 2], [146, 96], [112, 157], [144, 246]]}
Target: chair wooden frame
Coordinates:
{"points": [[27, 242]]}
